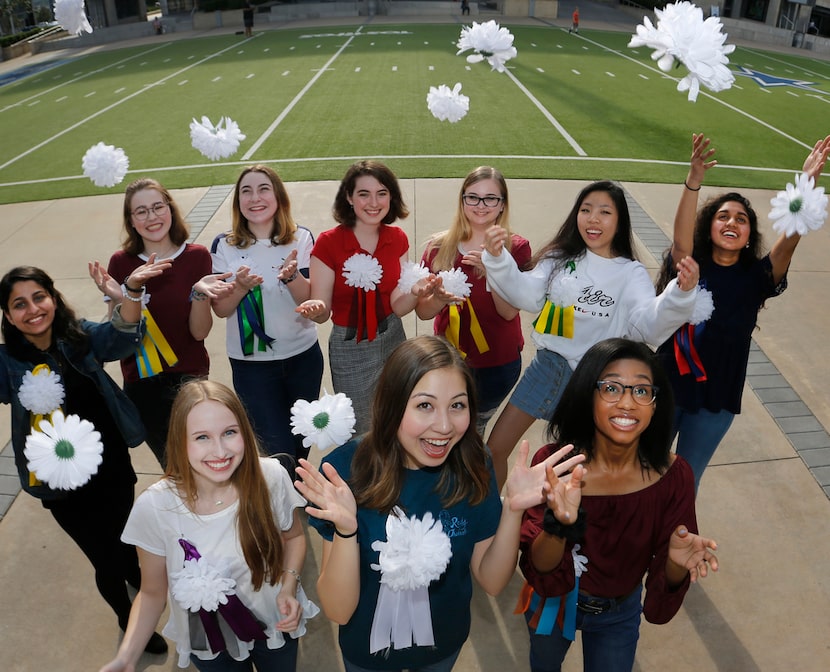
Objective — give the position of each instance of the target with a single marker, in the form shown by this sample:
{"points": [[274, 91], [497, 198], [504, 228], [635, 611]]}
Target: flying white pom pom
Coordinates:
{"points": [[682, 34], [800, 209], [415, 553], [216, 142], [199, 586], [411, 274], [72, 17], [64, 453], [41, 391], [490, 42], [363, 271], [455, 282], [704, 306], [326, 422], [105, 165], [447, 105]]}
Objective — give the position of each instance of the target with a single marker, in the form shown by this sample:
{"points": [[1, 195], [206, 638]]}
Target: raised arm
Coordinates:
{"points": [[245, 281], [684, 218], [525, 290]]}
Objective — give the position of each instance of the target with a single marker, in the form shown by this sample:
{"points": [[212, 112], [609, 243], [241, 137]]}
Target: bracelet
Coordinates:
{"points": [[293, 573], [344, 536], [291, 278], [573, 532], [126, 286], [135, 299], [196, 295], [688, 187]]}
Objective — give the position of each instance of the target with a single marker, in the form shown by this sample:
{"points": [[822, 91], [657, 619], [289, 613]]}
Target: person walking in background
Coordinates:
{"points": [[221, 532], [274, 353], [175, 303], [248, 19], [465, 7], [355, 268], [707, 362], [51, 367], [585, 285], [626, 513], [411, 512], [574, 21], [483, 326]]}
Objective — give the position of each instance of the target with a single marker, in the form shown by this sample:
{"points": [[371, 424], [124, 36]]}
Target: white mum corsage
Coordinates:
{"points": [[105, 165], [71, 16], [580, 561], [326, 422], [564, 290], [681, 34], [800, 209], [704, 306], [455, 282], [448, 104], [415, 553], [65, 452], [216, 142], [199, 586], [362, 271], [41, 391], [489, 41], [411, 275]]}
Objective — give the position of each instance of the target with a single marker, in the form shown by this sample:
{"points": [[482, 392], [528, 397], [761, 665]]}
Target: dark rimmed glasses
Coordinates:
{"points": [[143, 214], [612, 391], [474, 199]]}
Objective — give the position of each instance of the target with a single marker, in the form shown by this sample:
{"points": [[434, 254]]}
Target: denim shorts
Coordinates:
{"points": [[542, 384]]}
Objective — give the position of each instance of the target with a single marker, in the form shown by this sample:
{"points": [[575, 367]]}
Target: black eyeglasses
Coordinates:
{"points": [[142, 213], [473, 200], [612, 391]]}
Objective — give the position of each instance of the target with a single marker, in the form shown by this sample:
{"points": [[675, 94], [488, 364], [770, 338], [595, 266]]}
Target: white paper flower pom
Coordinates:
{"points": [[681, 34], [489, 41], [411, 274], [326, 422], [415, 552], [105, 165], [64, 453], [455, 282], [704, 306], [41, 392], [363, 271], [216, 142], [72, 17], [564, 290], [199, 586], [800, 209], [447, 105], [580, 561]]}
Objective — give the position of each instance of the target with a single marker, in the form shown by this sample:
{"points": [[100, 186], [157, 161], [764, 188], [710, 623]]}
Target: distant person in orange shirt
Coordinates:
{"points": [[575, 27]]}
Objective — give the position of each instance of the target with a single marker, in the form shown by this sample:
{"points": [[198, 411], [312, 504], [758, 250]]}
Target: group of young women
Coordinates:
{"points": [[410, 510]]}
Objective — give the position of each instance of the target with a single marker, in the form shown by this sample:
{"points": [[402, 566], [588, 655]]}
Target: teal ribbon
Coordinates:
{"points": [[250, 315]]}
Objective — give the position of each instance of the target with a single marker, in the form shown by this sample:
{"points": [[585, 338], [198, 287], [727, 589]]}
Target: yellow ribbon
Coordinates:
{"points": [[152, 345], [454, 329], [35, 419], [555, 320]]}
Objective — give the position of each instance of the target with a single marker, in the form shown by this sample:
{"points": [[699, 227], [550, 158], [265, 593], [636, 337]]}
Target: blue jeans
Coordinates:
{"points": [[609, 640], [444, 665], [540, 389], [269, 389], [262, 659], [699, 435], [493, 383]]}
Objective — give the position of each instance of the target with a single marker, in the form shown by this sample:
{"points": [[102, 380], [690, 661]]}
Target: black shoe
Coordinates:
{"points": [[156, 645]]}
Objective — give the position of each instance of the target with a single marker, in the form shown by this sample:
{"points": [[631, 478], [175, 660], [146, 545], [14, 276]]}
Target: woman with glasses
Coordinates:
{"points": [[627, 513], [707, 361], [585, 285], [175, 303], [483, 326]]}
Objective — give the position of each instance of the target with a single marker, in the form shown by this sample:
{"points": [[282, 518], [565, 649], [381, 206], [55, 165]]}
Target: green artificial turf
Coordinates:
{"points": [[571, 107]]}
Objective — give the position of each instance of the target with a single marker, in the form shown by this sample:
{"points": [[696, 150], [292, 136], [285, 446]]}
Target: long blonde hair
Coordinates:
{"points": [[259, 537], [447, 242]]}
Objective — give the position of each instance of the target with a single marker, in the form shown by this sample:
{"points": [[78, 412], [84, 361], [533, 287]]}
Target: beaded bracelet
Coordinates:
{"points": [[290, 278], [293, 573], [125, 291], [196, 295], [688, 187]]}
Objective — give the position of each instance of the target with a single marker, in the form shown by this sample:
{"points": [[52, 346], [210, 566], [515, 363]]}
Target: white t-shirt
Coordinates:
{"points": [[293, 333], [158, 521]]}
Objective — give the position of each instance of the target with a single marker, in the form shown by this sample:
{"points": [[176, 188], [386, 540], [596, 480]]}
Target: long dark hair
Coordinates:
{"points": [[568, 244], [378, 466], [66, 325], [342, 210], [573, 419], [702, 251]]}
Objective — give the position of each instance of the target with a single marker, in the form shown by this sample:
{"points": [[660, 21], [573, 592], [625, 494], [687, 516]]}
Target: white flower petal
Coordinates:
{"points": [[801, 208], [455, 282], [216, 142], [363, 271], [704, 306], [411, 274], [105, 165], [64, 453], [326, 422], [447, 105], [199, 586], [488, 40], [41, 392], [72, 17]]}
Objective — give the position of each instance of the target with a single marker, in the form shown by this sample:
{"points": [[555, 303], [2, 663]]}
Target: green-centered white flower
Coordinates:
{"points": [[326, 422], [800, 209], [65, 452]]}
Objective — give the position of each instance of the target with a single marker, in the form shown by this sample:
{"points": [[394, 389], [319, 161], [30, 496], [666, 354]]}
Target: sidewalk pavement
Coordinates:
{"points": [[767, 609]]}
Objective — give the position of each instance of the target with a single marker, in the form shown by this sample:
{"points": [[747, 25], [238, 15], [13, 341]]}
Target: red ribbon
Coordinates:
{"points": [[686, 355], [367, 316]]}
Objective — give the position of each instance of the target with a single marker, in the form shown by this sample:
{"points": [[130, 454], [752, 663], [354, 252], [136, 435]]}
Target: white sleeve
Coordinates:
{"points": [[305, 243], [653, 319], [284, 498], [142, 528], [220, 259], [525, 290]]}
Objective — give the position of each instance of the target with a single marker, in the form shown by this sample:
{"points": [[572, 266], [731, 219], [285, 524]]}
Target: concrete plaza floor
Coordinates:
{"points": [[764, 498]]}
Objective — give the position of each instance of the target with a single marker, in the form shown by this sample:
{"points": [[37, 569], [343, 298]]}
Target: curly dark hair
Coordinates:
{"points": [[342, 210]]}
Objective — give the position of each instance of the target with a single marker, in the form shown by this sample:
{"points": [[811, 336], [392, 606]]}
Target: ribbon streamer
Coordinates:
{"points": [[550, 611], [250, 316], [367, 314], [402, 619], [555, 320], [153, 348], [685, 353], [454, 329], [34, 421]]}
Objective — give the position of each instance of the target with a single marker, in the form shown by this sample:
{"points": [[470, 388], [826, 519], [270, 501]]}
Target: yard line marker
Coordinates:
{"points": [[33, 103], [812, 73], [286, 73], [61, 99], [394, 68], [567, 136], [90, 94], [241, 51], [610, 74], [183, 82], [823, 100], [432, 67], [539, 70], [191, 57], [119, 67], [532, 44], [736, 86], [467, 67], [793, 94], [250, 76], [357, 69], [576, 72], [119, 90], [216, 79], [166, 60], [268, 131], [267, 49], [143, 63], [642, 76], [766, 90]]}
